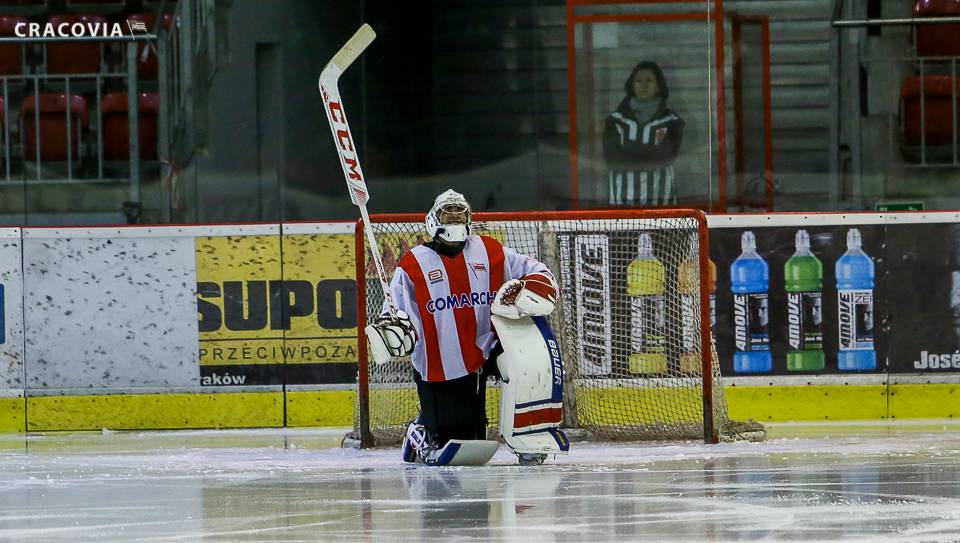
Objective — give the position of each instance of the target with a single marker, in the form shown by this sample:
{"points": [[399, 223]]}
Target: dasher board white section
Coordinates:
{"points": [[337, 227], [346, 227], [593, 225], [853, 379], [829, 219], [112, 311], [143, 232], [123, 390], [12, 372]]}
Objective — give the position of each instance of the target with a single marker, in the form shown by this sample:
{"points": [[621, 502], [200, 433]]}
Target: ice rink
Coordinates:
{"points": [[871, 482]]}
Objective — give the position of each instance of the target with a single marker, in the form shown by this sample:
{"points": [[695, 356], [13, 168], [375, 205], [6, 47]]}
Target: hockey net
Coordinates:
{"points": [[633, 315]]}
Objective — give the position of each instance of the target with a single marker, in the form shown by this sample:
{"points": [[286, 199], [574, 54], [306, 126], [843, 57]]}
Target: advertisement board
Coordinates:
{"points": [[277, 309], [857, 294]]}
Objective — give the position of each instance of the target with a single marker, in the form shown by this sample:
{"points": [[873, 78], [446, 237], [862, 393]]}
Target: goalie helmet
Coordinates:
{"points": [[449, 218]]}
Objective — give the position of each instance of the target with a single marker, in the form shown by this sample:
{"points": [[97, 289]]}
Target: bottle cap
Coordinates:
{"points": [[645, 244], [748, 242], [802, 241], [853, 239]]}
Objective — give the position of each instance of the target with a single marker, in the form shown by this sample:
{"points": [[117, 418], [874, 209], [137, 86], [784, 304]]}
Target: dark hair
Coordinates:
{"points": [[651, 66]]}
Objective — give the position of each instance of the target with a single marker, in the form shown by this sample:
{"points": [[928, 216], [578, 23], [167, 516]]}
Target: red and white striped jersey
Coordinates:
{"points": [[448, 300]]}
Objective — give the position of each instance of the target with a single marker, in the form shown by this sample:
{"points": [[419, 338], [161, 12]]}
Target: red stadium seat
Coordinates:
{"points": [[11, 55], [116, 130], [74, 57], [147, 61], [53, 125], [937, 40], [938, 117]]}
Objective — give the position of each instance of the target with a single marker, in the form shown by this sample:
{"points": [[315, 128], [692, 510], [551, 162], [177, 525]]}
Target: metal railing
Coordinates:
{"points": [[15, 88], [839, 22], [85, 162], [925, 150], [851, 157]]}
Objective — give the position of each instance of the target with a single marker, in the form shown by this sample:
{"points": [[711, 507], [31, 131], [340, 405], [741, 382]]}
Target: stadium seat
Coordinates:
{"points": [[937, 40], [53, 125], [116, 130], [74, 57], [11, 55], [932, 140], [147, 61]]}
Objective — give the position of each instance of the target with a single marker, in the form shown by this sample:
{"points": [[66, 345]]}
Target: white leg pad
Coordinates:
{"points": [[531, 401]]}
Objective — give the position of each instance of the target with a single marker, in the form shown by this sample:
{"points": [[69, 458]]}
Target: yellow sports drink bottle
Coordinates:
{"points": [[689, 278], [645, 289]]}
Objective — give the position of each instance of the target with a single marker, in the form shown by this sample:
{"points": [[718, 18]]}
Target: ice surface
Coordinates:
{"points": [[873, 482]]}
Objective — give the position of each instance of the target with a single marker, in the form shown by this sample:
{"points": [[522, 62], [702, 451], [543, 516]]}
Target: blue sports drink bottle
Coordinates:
{"points": [[855, 307], [750, 282]]}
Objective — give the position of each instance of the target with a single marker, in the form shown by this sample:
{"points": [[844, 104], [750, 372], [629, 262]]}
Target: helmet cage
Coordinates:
{"points": [[453, 214], [449, 218]]}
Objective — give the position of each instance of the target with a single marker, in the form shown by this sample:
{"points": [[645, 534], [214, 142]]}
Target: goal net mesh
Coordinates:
{"points": [[628, 322]]}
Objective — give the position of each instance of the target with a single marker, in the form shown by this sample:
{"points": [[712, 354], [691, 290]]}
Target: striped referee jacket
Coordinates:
{"points": [[639, 156]]}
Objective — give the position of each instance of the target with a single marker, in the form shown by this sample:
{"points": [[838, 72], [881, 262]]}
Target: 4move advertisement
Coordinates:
{"points": [[822, 298]]}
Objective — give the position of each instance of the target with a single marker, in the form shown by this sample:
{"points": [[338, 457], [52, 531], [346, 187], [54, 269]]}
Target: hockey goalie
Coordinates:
{"points": [[469, 308]]}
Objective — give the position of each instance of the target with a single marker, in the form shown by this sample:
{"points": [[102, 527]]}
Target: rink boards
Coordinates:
{"points": [[254, 325]]}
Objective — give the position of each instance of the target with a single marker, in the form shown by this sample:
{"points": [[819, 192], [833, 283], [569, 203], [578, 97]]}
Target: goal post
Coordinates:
{"points": [[633, 317]]}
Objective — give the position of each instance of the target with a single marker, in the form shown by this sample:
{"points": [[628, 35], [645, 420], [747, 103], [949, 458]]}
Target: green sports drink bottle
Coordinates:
{"points": [[803, 276]]}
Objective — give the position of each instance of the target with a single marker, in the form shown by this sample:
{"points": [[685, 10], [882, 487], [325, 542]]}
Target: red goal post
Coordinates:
{"points": [[629, 389]]}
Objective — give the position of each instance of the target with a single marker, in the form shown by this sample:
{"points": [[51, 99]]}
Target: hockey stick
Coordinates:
{"points": [[343, 140]]}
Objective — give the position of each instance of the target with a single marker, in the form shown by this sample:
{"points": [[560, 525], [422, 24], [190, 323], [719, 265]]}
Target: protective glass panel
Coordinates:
{"points": [[748, 102], [645, 108]]}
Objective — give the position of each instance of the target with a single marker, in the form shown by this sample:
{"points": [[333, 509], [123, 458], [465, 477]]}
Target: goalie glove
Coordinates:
{"points": [[532, 296], [391, 337]]}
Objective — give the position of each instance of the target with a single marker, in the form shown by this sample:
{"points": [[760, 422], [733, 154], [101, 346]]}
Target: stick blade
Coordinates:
{"points": [[360, 40]]}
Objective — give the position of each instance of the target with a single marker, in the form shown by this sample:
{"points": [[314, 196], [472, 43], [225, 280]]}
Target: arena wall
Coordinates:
{"points": [[255, 325]]}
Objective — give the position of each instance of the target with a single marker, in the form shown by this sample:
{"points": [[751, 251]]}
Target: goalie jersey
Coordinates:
{"points": [[448, 300]]}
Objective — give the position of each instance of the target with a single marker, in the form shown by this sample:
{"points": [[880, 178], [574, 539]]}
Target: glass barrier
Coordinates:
{"points": [[895, 144], [644, 106], [746, 107], [752, 119]]}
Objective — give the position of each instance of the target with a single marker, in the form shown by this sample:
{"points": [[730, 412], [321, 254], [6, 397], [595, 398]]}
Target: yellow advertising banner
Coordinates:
{"points": [[269, 301]]}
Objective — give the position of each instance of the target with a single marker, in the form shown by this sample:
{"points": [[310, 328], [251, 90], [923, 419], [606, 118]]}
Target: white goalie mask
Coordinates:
{"points": [[449, 218]]}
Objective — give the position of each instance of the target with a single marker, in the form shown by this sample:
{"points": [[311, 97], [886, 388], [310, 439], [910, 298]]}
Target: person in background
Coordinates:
{"points": [[641, 139]]}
